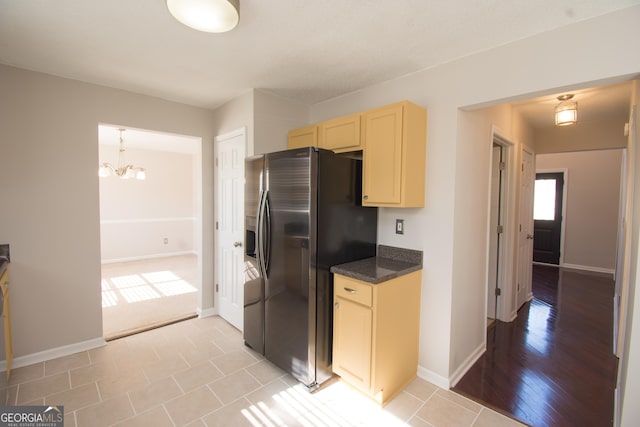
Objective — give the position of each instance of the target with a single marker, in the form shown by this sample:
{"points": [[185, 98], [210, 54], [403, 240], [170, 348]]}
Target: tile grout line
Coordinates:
{"points": [[422, 403], [476, 418], [461, 406]]}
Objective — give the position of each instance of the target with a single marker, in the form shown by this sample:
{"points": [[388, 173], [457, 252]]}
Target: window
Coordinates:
{"points": [[544, 200]]}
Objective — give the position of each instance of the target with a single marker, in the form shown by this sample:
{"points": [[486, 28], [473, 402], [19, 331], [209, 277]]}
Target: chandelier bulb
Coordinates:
{"points": [[123, 171]]}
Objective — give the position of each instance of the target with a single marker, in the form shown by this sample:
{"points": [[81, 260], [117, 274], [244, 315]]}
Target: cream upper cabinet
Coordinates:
{"points": [[303, 137], [376, 333], [394, 155], [341, 134]]}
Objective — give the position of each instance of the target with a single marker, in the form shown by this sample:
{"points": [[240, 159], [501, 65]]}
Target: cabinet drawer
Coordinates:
{"points": [[353, 290]]}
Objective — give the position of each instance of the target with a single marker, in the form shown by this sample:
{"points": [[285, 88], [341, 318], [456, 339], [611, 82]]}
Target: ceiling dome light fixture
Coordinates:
{"points": [[566, 111], [123, 170], [211, 16]]}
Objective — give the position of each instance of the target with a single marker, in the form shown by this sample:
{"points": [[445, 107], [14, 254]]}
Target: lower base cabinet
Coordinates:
{"points": [[6, 315], [376, 334]]}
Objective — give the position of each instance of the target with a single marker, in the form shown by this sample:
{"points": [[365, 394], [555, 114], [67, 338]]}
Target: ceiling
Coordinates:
{"points": [[611, 102], [308, 51]]}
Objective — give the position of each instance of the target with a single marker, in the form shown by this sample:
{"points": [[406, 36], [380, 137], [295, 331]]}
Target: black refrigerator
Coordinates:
{"points": [[303, 215]]}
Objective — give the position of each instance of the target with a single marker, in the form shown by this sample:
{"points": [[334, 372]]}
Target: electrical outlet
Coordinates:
{"points": [[399, 226], [166, 240]]}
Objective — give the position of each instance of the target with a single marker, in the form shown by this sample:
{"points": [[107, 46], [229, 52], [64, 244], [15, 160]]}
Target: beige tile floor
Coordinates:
{"points": [[140, 294], [199, 373]]}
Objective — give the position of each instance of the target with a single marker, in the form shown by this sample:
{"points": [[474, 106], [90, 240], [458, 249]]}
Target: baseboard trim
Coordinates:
{"points": [[53, 353], [616, 407], [433, 378], [207, 312], [467, 364], [587, 268], [145, 257]]}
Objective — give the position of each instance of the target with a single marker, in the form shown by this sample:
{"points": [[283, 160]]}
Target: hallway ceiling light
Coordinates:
{"points": [[566, 111], [211, 16], [123, 170]]}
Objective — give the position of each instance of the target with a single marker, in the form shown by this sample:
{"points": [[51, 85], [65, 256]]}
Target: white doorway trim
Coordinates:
{"points": [[505, 308]]}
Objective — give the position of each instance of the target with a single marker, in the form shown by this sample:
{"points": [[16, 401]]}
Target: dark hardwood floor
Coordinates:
{"points": [[553, 365]]}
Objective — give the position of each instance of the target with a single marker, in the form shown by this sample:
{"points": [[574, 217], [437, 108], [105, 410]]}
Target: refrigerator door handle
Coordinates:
{"points": [[260, 233], [267, 248]]}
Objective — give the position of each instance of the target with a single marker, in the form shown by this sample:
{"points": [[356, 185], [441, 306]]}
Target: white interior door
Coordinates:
{"points": [[494, 235], [525, 235], [229, 201]]}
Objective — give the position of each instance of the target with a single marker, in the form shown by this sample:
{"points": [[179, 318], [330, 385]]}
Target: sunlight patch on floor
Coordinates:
{"points": [[134, 288], [335, 405]]}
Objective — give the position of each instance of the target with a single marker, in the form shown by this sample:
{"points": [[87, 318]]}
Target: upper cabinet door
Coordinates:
{"points": [[341, 134], [394, 156], [393, 141], [303, 137], [382, 156]]}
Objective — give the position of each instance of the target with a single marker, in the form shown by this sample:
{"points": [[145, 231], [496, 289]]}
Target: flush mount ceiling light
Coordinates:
{"points": [[211, 16], [566, 111], [123, 170]]}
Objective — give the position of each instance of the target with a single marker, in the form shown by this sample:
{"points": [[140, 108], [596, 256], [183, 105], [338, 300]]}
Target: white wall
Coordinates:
{"points": [[629, 367], [520, 70], [594, 135], [273, 118], [470, 234], [592, 199], [50, 199], [233, 115], [136, 216]]}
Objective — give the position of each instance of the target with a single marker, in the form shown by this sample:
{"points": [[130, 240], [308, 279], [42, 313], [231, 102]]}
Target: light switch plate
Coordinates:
{"points": [[399, 226]]}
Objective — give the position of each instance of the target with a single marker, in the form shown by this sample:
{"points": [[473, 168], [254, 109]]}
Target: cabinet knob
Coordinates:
{"points": [[365, 197], [336, 305]]}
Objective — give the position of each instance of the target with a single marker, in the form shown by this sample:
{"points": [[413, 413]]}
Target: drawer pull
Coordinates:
{"points": [[351, 291]]}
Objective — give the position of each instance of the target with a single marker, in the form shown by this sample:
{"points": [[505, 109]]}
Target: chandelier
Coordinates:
{"points": [[123, 170]]}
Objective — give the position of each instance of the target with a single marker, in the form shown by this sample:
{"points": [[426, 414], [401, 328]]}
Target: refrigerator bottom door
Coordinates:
{"points": [[254, 314], [287, 336]]}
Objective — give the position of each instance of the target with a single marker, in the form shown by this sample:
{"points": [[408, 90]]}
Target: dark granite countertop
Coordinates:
{"points": [[389, 263]]}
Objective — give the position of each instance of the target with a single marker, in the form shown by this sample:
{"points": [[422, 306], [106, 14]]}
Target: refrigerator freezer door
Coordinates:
{"points": [[290, 285], [254, 282]]}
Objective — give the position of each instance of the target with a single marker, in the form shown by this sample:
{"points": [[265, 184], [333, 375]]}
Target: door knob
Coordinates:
{"points": [[237, 244], [530, 236]]}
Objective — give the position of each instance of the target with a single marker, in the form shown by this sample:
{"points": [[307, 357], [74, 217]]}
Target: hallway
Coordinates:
{"points": [[553, 365]]}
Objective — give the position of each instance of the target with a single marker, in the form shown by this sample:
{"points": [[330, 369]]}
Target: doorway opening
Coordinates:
{"points": [[149, 230], [548, 214], [498, 227]]}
